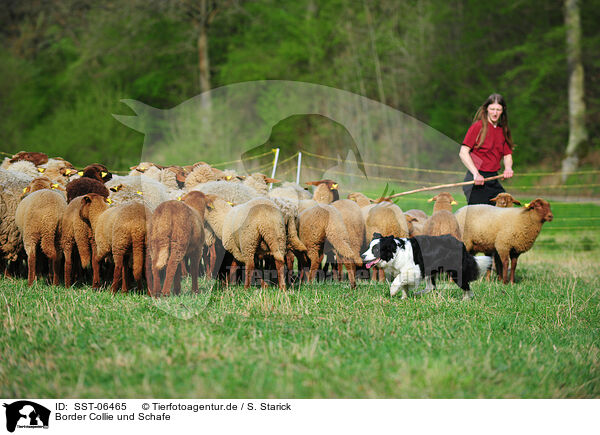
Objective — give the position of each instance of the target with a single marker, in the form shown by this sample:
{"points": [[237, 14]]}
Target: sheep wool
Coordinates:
{"points": [[507, 232], [38, 217], [12, 186]]}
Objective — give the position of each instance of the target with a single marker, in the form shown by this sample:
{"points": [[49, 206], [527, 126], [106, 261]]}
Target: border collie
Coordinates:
{"points": [[423, 257]]}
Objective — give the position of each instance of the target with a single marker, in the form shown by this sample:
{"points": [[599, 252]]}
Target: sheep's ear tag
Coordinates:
{"points": [[41, 170], [80, 173], [108, 200], [335, 186], [24, 190], [527, 204], [228, 177], [430, 199], [230, 203], [67, 172], [103, 174], [211, 206], [55, 186], [179, 198], [139, 192], [453, 203]]}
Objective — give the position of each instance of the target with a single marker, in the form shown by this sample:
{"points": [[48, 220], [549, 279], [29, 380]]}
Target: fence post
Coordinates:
{"points": [[274, 166], [299, 166]]}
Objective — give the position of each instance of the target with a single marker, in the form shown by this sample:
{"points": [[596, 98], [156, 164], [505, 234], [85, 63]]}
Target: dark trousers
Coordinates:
{"points": [[482, 194]]}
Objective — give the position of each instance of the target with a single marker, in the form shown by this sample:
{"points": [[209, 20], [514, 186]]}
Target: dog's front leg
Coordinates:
{"points": [[397, 285]]}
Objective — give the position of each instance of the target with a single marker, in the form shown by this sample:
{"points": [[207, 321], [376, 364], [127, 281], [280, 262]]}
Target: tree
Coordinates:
{"points": [[577, 131]]}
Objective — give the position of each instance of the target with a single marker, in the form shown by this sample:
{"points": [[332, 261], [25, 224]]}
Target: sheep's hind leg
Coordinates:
{"points": [[249, 273], [513, 267], [31, 263]]}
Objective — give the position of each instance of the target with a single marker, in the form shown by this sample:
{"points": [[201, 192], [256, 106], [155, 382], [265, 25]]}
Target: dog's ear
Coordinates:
{"points": [[377, 236]]}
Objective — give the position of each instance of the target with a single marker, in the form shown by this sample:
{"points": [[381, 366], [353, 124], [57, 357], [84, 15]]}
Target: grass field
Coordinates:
{"points": [[539, 338]]}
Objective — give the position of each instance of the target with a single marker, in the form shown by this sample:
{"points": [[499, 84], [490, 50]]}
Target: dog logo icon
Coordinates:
{"points": [[26, 414]]}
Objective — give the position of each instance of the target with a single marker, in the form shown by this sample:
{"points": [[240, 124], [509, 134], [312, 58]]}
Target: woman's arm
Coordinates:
{"points": [[465, 157], [508, 162]]}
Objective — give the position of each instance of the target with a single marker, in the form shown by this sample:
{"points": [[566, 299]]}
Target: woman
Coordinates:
{"points": [[487, 142]]}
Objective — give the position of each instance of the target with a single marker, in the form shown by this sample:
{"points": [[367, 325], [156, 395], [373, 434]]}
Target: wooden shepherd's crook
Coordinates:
{"points": [[441, 186]]}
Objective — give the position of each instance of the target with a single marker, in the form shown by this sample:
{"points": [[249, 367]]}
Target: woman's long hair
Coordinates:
{"points": [[481, 115]]}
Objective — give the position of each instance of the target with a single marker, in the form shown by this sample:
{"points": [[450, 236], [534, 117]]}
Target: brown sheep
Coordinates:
{"points": [[442, 221], [326, 191], [176, 231], [417, 223], [355, 228], [40, 183], [320, 225], [506, 232], [443, 201], [77, 232], [35, 158], [127, 233], [38, 217], [505, 200]]}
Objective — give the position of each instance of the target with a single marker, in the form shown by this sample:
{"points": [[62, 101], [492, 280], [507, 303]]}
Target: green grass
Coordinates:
{"points": [[539, 338]]}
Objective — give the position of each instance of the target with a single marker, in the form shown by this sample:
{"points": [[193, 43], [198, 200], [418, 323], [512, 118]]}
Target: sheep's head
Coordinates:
{"points": [[92, 205], [542, 208], [39, 184], [97, 172], [360, 199], [198, 201], [505, 200], [326, 191], [443, 201]]}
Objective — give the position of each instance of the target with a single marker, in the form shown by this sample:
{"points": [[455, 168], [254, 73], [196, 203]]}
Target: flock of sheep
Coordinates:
{"points": [[158, 223]]}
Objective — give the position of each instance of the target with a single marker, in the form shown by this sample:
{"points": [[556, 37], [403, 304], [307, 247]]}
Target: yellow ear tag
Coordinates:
{"points": [[139, 193], [103, 174], [80, 173], [179, 198], [228, 177], [453, 203], [55, 186], [230, 203], [41, 170], [109, 201], [25, 190], [67, 172], [430, 199], [335, 186], [526, 204], [211, 206]]}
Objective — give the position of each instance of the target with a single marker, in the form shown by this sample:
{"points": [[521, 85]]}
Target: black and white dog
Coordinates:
{"points": [[423, 257]]}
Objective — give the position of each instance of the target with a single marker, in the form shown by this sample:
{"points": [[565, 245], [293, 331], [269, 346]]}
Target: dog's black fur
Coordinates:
{"points": [[433, 255]]}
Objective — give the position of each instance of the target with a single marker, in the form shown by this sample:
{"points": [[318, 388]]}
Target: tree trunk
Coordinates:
{"points": [[203, 65], [577, 131]]}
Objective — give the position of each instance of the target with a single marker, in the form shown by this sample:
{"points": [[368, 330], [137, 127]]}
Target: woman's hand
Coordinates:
{"points": [[478, 179], [508, 163]]}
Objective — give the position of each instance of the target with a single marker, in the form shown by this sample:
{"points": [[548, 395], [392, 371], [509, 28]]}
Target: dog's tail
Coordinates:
{"points": [[484, 263]]}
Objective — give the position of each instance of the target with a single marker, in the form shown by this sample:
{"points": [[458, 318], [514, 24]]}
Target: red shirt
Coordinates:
{"points": [[487, 157]]}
